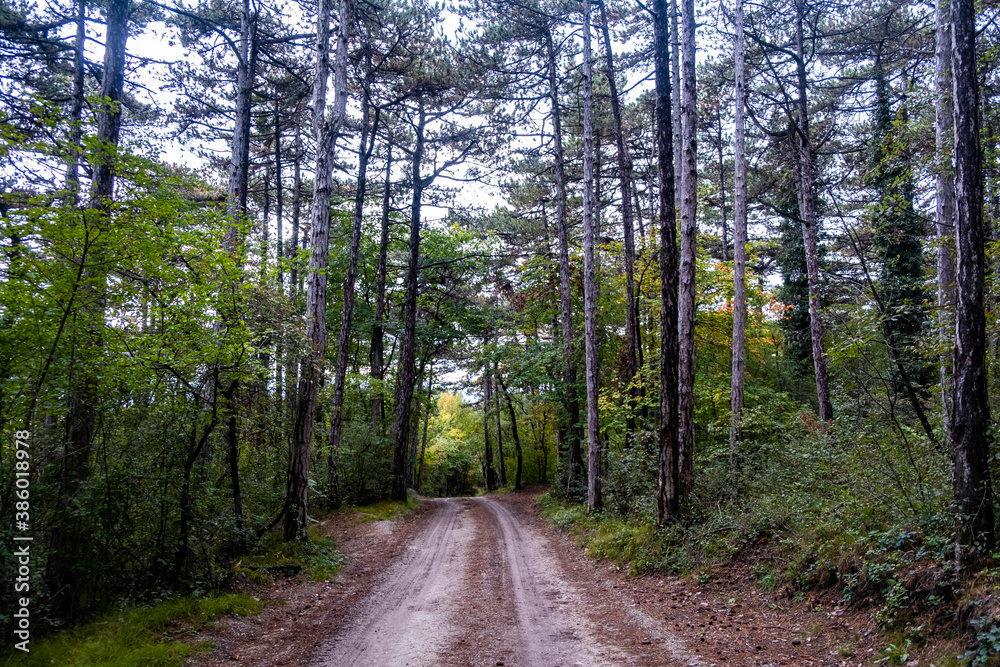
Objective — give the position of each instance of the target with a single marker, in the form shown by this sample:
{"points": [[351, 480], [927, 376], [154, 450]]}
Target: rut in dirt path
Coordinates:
{"points": [[406, 620]]}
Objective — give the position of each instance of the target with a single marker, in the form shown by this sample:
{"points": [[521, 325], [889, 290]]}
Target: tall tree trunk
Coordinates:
{"points": [[407, 352], [76, 107], [279, 214], [378, 330], [739, 245], [667, 493], [807, 213], [513, 430], [233, 455], [971, 411], [675, 95], [590, 274], [945, 211], [501, 459], [427, 419], [624, 181], [689, 246], [722, 192], [293, 250], [67, 545], [411, 467], [487, 401], [239, 160], [236, 202], [343, 339], [326, 129], [570, 398]]}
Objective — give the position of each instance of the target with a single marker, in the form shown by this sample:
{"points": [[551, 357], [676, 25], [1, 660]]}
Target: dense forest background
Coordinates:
{"points": [[724, 273]]}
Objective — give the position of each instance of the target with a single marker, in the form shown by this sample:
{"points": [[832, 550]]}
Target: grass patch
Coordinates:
{"points": [[386, 510], [318, 557], [634, 546], [146, 635]]}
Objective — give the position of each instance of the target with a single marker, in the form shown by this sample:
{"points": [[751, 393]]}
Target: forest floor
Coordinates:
{"points": [[488, 582]]}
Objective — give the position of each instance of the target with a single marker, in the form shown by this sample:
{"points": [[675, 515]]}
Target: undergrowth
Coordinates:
{"points": [[857, 513], [385, 510], [318, 558], [147, 635]]}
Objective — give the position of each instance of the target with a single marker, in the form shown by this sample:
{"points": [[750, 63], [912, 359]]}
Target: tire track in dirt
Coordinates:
{"points": [[549, 631], [408, 619]]}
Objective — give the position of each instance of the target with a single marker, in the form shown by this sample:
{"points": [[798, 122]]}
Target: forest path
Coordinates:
{"points": [[481, 584], [463, 582]]}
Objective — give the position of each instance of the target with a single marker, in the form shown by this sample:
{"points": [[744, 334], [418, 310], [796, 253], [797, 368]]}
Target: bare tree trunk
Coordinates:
{"points": [[347, 312], [667, 493], [279, 214], [326, 129], [810, 232], [239, 160], [689, 246], [76, 108], [722, 192], [501, 460], [590, 274], [411, 467], [971, 411], [293, 250], [570, 400], [513, 429], [67, 546], [487, 401], [739, 245], [378, 330], [675, 95], [407, 352], [624, 182], [236, 202], [427, 419], [945, 211]]}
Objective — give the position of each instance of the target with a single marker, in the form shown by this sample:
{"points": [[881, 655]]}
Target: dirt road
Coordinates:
{"points": [[487, 582], [479, 585]]}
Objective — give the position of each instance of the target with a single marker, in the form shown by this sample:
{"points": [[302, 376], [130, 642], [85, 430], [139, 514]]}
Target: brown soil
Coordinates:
{"points": [[487, 581]]}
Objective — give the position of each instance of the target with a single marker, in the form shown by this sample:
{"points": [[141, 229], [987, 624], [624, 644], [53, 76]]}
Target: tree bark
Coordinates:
{"points": [[513, 430], [378, 330], [689, 247], [407, 352], [279, 214], [347, 312], [326, 128], [807, 213], [427, 419], [293, 250], [590, 274], [675, 95], [239, 160], [667, 493], [570, 398], [945, 209], [722, 191], [739, 245], [501, 460], [970, 412], [487, 400], [624, 182], [76, 108], [67, 550]]}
